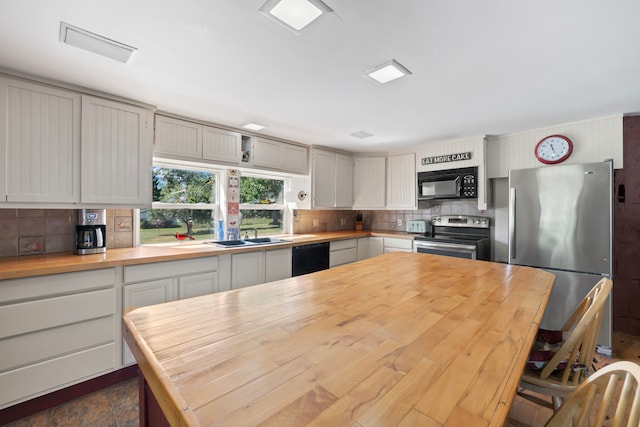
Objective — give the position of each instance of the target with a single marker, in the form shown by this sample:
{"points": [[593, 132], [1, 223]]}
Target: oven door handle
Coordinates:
{"points": [[454, 247]]}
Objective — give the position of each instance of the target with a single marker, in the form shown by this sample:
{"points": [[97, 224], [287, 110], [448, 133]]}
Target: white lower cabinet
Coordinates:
{"points": [[277, 265], [363, 248], [392, 244], [376, 246], [247, 269], [197, 285], [254, 268], [57, 330], [160, 282], [343, 252]]}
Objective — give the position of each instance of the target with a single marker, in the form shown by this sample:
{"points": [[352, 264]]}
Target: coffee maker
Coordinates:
{"points": [[90, 232]]}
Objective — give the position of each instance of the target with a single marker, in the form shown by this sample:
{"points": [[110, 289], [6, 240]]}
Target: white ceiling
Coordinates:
{"points": [[479, 67]]}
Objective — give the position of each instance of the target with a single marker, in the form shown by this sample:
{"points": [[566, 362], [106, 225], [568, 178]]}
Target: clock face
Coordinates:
{"points": [[554, 149]]}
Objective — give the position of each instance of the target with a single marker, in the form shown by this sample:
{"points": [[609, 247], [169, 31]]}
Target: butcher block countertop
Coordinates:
{"points": [[39, 265], [400, 339]]}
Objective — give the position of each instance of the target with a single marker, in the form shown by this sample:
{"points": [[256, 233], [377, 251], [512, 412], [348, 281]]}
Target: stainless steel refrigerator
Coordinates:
{"points": [[561, 220]]}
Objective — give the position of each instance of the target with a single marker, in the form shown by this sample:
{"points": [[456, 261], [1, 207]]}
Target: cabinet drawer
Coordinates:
{"points": [[55, 284], [52, 312], [30, 348], [31, 381], [343, 256], [158, 270], [338, 245], [390, 242]]}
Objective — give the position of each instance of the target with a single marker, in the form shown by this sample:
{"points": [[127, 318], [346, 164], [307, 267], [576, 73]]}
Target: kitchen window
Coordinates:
{"points": [[261, 204], [185, 202], [188, 200]]}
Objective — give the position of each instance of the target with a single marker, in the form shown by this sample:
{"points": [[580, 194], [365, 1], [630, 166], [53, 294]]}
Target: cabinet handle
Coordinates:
{"points": [[621, 193]]}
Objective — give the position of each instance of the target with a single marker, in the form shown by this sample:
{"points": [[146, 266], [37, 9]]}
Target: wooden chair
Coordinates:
{"points": [[573, 361], [611, 394]]}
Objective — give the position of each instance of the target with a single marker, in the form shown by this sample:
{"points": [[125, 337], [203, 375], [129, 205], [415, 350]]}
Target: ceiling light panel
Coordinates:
{"points": [[295, 14], [361, 134], [253, 126], [95, 43], [389, 71]]}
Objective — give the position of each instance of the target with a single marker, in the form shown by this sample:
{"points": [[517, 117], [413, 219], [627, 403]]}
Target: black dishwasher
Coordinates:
{"points": [[310, 258]]}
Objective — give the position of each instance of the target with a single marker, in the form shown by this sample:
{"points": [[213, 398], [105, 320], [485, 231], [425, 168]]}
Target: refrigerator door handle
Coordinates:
{"points": [[512, 223]]}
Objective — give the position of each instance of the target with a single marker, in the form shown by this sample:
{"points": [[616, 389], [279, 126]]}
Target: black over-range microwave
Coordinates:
{"points": [[461, 183]]}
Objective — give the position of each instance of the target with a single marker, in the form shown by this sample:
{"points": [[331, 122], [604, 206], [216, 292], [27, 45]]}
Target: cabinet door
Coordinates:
{"points": [[247, 269], [344, 181], [177, 138], [324, 179], [140, 295], [197, 284], [277, 264], [295, 159], [40, 136], [267, 153], [363, 248], [401, 182], [376, 246], [369, 183], [116, 153], [221, 145]]}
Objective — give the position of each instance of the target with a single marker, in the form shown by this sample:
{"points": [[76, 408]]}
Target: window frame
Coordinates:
{"points": [[217, 208]]}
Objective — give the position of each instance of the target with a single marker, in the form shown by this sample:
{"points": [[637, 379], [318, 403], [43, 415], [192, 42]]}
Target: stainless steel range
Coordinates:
{"points": [[456, 235]]}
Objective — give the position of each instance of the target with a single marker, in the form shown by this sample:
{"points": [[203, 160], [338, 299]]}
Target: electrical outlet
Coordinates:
{"points": [[400, 221], [343, 221], [316, 223]]}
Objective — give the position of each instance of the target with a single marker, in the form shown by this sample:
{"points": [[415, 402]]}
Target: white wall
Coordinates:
{"points": [[593, 140]]}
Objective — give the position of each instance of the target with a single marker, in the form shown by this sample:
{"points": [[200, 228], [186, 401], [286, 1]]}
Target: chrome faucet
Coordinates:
{"points": [[255, 233]]}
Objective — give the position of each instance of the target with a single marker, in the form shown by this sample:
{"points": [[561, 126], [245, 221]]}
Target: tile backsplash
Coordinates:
{"points": [[46, 231], [40, 231], [310, 221]]}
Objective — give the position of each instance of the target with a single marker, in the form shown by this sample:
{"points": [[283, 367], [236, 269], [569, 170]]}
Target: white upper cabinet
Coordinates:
{"points": [[184, 140], [177, 138], [401, 182], [283, 156], [295, 158], [221, 145], [369, 182], [40, 137], [324, 179], [344, 181], [116, 151], [332, 180]]}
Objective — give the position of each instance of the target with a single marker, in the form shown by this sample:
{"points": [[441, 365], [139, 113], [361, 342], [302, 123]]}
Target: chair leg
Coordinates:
{"points": [[557, 402]]}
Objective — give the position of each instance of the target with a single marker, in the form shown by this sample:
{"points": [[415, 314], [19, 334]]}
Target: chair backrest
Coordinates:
{"points": [[583, 327], [611, 394]]}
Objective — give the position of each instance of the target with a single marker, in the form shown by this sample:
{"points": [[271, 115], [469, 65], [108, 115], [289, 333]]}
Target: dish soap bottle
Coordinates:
{"points": [[220, 230]]}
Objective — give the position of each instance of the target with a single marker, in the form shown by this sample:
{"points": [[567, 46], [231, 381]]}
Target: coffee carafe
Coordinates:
{"points": [[90, 232]]}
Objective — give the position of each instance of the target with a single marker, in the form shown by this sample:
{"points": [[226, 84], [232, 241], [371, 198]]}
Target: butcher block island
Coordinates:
{"points": [[398, 339]]}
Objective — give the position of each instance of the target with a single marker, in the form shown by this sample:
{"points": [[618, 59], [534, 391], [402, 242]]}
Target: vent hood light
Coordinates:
{"points": [[295, 14], [95, 43], [387, 72], [253, 126]]}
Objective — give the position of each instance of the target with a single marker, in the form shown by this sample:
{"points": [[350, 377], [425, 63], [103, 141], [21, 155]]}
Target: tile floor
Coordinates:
{"points": [[114, 406], [117, 405]]}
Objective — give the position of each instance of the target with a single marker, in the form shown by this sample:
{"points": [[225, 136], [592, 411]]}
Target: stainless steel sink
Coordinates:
{"points": [[264, 240], [228, 243], [247, 242]]}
